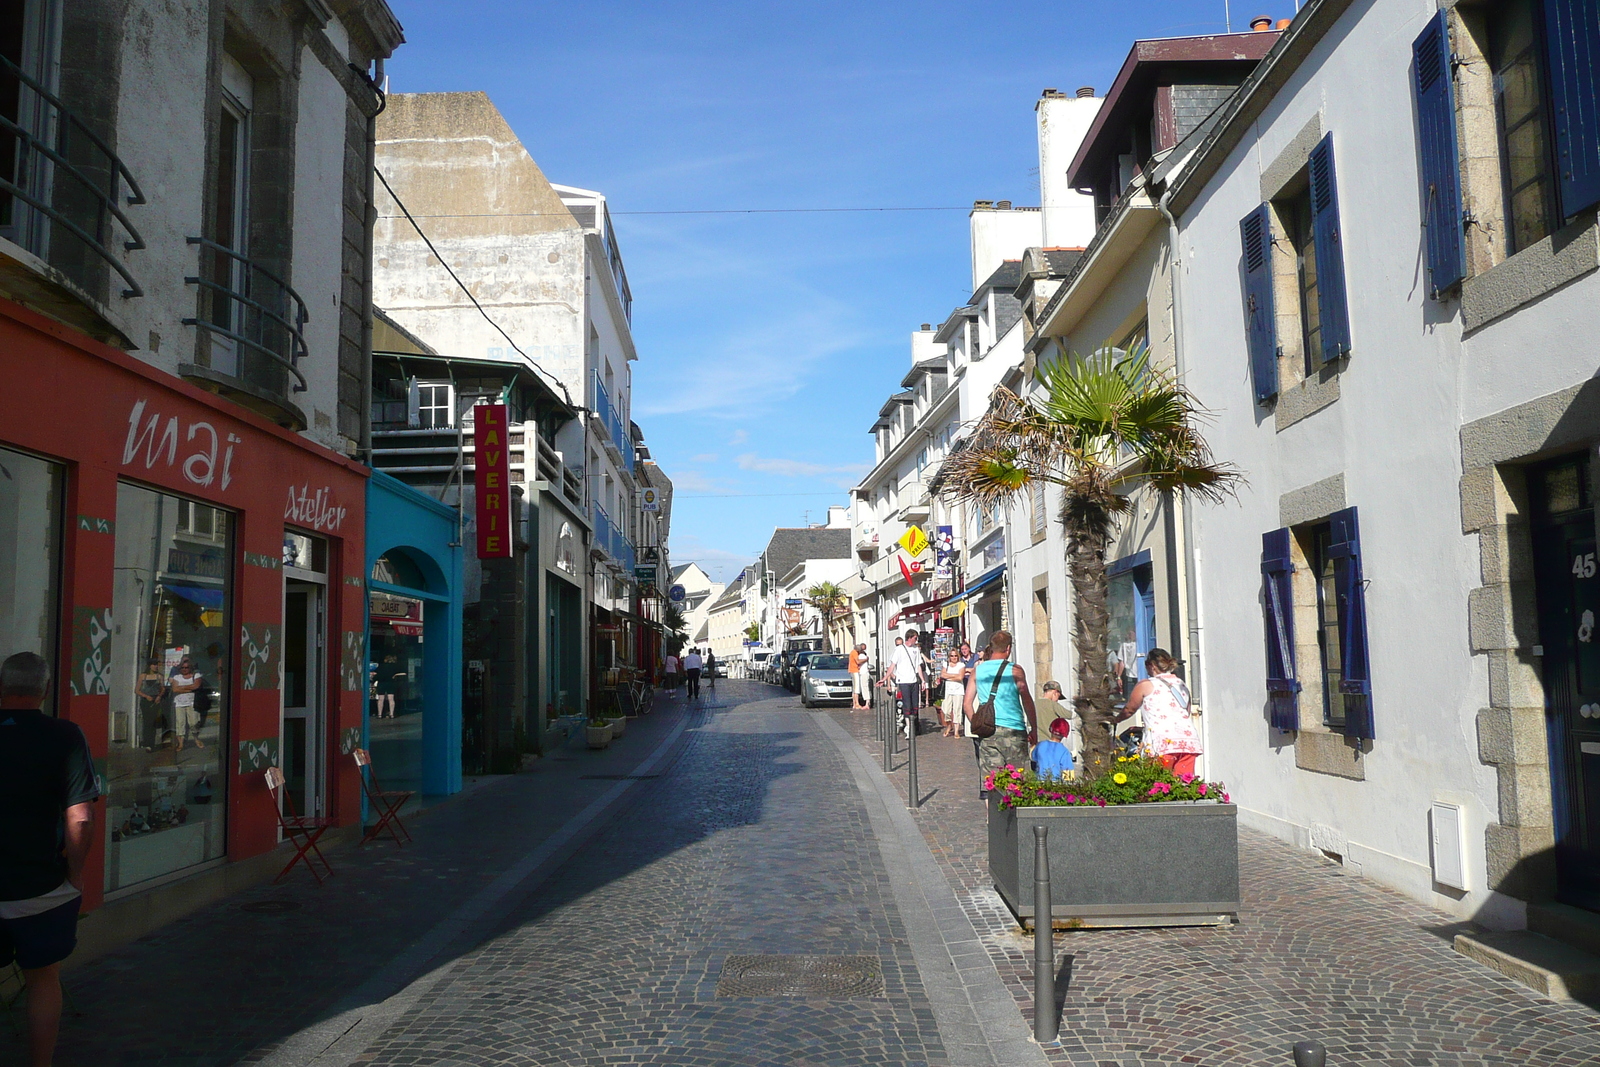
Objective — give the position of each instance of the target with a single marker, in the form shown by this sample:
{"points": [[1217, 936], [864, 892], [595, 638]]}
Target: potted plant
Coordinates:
{"points": [[598, 732], [1134, 846]]}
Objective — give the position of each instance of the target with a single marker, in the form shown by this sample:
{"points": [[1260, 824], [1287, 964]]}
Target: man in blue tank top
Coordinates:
{"points": [[1015, 729]]}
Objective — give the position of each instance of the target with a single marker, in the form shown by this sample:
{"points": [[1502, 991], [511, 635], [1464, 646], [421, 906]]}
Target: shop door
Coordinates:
{"points": [[1568, 588], [304, 725]]}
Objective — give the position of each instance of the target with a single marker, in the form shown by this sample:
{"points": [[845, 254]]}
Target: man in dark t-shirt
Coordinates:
{"points": [[47, 791]]}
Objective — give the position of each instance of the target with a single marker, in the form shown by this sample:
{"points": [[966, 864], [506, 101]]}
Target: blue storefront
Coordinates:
{"points": [[413, 724]]}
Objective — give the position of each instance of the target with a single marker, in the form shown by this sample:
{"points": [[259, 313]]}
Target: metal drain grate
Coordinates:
{"points": [[822, 977], [619, 777]]}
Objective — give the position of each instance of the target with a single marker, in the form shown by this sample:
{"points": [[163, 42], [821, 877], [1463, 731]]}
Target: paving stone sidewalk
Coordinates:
{"points": [[1317, 953], [226, 985]]}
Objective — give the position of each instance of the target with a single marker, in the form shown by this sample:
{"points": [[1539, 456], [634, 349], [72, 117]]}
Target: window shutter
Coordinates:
{"points": [[1330, 254], [1261, 332], [1277, 605], [1572, 48], [1356, 674], [1437, 150]]}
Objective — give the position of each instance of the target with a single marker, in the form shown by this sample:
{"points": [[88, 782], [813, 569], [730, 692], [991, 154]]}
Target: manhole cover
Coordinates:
{"points": [[619, 777], [270, 907], [830, 977]]}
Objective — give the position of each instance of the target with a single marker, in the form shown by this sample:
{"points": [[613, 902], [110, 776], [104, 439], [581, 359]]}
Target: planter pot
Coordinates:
{"points": [[617, 727], [598, 736], [1171, 864]]}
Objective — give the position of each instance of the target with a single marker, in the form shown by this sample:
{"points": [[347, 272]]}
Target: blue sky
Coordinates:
{"points": [[767, 342]]}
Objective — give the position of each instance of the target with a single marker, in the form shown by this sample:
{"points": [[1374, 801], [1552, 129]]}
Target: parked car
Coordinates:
{"points": [[756, 666], [826, 679], [776, 665], [796, 664]]}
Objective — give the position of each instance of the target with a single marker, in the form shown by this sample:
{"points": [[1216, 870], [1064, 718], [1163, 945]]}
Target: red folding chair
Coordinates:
{"points": [[300, 830], [385, 803]]}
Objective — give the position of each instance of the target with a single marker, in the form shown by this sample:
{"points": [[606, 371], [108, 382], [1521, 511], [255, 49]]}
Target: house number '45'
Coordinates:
{"points": [[1583, 566]]}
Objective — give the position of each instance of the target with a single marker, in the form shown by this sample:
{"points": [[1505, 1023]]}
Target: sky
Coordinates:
{"points": [[768, 337]]}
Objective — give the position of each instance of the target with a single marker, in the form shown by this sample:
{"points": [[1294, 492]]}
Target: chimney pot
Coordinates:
{"points": [[926, 327], [1002, 205], [1050, 92], [982, 205], [1086, 92], [1283, 24], [1260, 23]]}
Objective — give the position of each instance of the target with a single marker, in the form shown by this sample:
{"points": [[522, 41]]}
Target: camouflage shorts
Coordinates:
{"points": [[1007, 746]]}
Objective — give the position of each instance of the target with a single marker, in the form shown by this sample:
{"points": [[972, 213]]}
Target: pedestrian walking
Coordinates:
{"points": [[1049, 708], [909, 670], [692, 664], [47, 790], [711, 669], [669, 674], [1163, 701], [954, 677], [1015, 726]]}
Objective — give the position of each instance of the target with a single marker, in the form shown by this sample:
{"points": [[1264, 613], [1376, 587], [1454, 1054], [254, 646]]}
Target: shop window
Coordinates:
{"points": [[170, 684], [30, 564]]}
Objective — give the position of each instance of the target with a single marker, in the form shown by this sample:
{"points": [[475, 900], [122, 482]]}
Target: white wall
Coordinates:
{"points": [[1068, 215], [999, 235]]}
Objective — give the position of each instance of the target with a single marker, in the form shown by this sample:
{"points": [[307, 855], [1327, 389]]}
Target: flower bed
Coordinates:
{"points": [[1134, 846]]}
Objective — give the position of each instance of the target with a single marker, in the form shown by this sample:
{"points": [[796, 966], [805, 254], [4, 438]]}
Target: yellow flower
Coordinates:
{"points": [[1120, 778]]}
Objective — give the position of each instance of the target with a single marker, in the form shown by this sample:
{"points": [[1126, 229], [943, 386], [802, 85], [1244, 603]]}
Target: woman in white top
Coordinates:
{"points": [[955, 689], [1163, 702]]}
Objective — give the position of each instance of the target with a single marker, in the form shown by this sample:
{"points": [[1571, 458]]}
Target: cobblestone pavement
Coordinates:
{"points": [[748, 845], [1317, 953], [225, 985]]}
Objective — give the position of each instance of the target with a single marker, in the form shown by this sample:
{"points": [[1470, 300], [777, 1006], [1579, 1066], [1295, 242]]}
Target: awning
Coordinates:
{"points": [[206, 598], [979, 585]]}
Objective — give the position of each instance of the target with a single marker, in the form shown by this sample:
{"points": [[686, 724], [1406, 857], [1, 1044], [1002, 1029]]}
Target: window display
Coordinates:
{"points": [[166, 765], [30, 556]]}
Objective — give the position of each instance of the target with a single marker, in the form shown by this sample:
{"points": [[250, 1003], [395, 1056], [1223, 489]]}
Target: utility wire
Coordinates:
{"points": [[406, 213], [729, 496], [688, 211]]}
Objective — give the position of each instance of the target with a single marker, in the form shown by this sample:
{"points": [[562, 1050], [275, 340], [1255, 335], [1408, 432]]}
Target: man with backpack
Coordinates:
{"points": [[998, 697]]}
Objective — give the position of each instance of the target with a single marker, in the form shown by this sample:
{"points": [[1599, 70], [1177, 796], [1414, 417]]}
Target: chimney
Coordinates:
{"points": [[1086, 92], [926, 327], [1260, 24], [1052, 94], [1283, 24], [1002, 205], [983, 205]]}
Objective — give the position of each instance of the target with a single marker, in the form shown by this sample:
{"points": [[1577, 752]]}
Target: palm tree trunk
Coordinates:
{"points": [[1086, 568]]}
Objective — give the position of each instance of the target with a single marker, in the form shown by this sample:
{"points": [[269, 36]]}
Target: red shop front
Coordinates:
{"points": [[194, 573]]}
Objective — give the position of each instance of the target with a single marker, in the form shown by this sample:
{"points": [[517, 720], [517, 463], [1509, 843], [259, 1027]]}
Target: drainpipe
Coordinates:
{"points": [[375, 83], [1185, 557]]}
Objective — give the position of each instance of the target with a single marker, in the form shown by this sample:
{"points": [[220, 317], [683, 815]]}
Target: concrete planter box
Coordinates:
{"points": [[598, 736], [618, 725], [1174, 864]]}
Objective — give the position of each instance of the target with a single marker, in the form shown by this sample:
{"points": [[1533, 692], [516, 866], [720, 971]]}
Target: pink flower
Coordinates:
{"points": [[988, 782], [1100, 801], [1202, 789], [1187, 778], [1226, 799]]}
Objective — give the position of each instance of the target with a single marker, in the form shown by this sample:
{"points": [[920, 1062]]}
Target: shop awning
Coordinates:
{"points": [[979, 585], [206, 598]]}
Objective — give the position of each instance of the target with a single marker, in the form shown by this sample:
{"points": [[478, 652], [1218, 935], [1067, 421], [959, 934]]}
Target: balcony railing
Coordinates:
{"points": [[611, 540], [256, 320], [57, 177], [616, 429]]}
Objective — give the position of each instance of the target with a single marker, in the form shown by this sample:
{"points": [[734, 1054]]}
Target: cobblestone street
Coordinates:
{"points": [[594, 910]]}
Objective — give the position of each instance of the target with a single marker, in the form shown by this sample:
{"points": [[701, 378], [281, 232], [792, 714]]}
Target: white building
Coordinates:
{"points": [[699, 592], [1398, 613]]}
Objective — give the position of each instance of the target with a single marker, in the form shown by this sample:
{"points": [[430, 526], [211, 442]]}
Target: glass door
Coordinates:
{"points": [[305, 725]]}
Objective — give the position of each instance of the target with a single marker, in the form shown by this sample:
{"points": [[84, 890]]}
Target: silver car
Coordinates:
{"points": [[826, 678]]}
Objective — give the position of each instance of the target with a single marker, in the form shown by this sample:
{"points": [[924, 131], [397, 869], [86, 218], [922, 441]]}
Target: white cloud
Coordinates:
{"points": [[843, 475], [739, 437], [720, 563], [704, 457], [693, 481]]}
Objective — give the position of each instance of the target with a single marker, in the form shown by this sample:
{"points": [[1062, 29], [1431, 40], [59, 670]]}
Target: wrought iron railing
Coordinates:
{"points": [[61, 169], [249, 306], [608, 536]]}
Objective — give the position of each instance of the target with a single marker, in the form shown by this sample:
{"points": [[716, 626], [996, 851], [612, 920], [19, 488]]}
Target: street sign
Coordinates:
{"points": [[914, 541], [645, 574], [794, 602], [649, 500], [677, 594]]}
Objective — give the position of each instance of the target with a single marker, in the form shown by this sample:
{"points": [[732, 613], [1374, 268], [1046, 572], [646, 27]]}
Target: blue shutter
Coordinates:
{"points": [[1572, 51], [1437, 152], [1277, 606], [1261, 327], [1330, 254], [1355, 670]]}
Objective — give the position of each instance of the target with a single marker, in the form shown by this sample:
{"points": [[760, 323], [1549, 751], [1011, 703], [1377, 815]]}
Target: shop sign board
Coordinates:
{"points": [[794, 602], [645, 574], [649, 500], [914, 541], [492, 481], [944, 552]]}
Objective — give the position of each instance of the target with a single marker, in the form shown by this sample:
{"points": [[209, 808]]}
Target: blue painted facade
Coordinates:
{"points": [[419, 538]]}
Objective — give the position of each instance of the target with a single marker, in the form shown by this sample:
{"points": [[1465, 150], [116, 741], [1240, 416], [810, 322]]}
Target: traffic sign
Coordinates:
{"points": [[677, 594]]}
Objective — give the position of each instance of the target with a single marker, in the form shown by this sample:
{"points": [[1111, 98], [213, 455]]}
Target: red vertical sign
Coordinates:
{"points": [[492, 480]]}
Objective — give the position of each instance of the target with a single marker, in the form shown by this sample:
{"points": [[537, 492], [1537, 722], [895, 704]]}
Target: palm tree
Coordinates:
{"points": [[829, 600], [1102, 427]]}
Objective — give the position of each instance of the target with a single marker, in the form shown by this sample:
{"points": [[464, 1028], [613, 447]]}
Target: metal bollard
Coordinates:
{"points": [[1310, 1054], [1044, 950], [885, 710], [877, 715], [911, 759]]}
